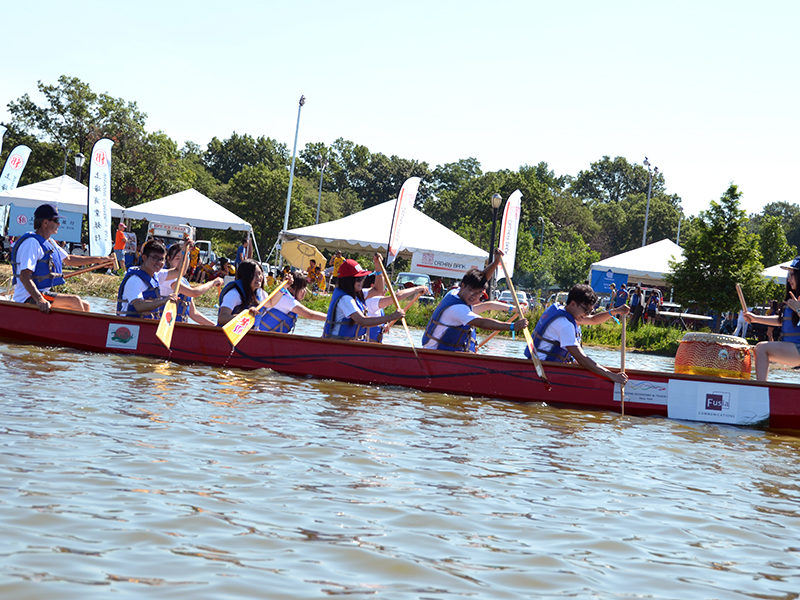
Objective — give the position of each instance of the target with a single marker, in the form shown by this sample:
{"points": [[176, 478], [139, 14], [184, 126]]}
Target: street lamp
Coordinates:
{"points": [[291, 171], [79, 160], [680, 219], [541, 239], [649, 192], [497, 200], [322, 165]]}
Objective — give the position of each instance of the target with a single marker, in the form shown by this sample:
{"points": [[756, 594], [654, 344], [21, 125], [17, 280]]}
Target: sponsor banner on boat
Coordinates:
{"points": [[717, 402], [122, 335], [643, 392]]}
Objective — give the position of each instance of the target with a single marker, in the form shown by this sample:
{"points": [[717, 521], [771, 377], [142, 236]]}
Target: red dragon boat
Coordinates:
{"points": [[679, 396]]}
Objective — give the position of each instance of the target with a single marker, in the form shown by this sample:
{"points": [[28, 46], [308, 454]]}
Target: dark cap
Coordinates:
{"points": [[794, 265], [45, 211]]}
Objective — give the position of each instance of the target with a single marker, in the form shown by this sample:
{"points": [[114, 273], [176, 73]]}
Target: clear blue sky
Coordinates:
{"points": [[708, 90]]}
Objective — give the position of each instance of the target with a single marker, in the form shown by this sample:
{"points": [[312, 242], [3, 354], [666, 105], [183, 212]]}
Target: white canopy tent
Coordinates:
{"points": [[63, 192], [188, 207], [776, 273], [432, 247], [647, 265]]}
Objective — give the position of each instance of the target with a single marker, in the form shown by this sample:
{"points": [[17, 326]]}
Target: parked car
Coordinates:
{"points": [[507, 298], [406, 280], [558, 298]]}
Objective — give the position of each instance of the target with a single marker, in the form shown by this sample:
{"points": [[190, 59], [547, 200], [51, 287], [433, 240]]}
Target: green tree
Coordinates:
{"points": [[225, 158], [258, 195], [772, 242], [614, 180], [719, 254]]}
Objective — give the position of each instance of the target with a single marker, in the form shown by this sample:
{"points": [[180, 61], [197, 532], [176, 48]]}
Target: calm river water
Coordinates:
{"points": [[128, 477]]}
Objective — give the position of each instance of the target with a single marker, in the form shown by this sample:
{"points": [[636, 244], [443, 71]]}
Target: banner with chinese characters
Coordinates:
{"points": [[21, 221], [405, 200], [99, 211], [15, 165], [508, 233]]}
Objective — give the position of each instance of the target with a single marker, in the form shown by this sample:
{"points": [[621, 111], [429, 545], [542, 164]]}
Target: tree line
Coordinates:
{"points": [[567, 221]]}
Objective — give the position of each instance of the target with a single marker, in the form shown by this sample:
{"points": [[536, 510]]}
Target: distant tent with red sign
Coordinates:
{"points": [[64, 192]]}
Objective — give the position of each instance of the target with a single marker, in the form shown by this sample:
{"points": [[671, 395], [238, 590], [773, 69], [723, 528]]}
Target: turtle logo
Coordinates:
{"points": [[122, 334]]}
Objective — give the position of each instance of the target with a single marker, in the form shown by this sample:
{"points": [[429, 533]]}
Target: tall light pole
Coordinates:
{"points": [[680, 219], [322, 165], [497, 200], [541, 239], [291, 171], [649, 192], [79, 160]]}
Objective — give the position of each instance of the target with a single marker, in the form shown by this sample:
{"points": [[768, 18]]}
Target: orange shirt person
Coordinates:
{"points": [[119, 244]]}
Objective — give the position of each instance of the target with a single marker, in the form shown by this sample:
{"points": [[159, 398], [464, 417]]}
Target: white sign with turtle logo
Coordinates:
{"points": [[121, 335]]}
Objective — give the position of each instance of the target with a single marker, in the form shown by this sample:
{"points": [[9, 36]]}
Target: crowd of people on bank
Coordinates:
{"points": [[356, 309]]}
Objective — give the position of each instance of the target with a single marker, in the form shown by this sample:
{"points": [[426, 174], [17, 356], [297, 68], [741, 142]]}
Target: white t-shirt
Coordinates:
{"points": [[166, 286], [27, 255], [134, 290], [345, 307], [562, 331], [453, 316], [286, 303], [373, 306], [233, 298]]}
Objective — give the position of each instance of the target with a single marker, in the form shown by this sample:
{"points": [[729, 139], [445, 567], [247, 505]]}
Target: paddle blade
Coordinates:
{"points": [[535, 357], [237, 327], [167, 323]]}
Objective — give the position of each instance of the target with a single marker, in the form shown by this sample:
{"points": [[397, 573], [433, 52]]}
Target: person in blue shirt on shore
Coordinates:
{"points": [[622, 296]]}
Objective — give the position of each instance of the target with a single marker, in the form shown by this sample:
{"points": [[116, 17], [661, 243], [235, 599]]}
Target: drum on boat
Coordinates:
{"points": [[713, 354]]}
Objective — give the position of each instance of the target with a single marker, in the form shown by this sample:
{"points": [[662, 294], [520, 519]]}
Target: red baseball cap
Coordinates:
{"points": [[351, 268]]}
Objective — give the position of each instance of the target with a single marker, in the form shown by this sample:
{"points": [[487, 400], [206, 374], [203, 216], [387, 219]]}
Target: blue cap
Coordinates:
{"points": [[795, 264]]}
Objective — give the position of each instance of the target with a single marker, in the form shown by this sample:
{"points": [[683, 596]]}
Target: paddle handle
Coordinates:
{"points": [[397, 304], [528, 340], [741, 297], [409, 305], [494, 333], [624, 336], [104, 262]]}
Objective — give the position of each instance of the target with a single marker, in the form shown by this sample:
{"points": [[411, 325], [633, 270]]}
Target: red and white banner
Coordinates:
{"points": [[15, 165], [405, 200], [99, 210], [508, 233]]}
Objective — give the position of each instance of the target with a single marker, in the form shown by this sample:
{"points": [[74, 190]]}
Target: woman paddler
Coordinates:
{"points": [[376, 299], [242, 293], [186, 293], [284, 308], [347, 314], [787, 351]]}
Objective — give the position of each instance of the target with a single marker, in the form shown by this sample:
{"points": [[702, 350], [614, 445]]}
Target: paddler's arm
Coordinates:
{"points": [[379, 287], [489, 271], [495, 325], [194, 292], [773, 321], [360, 319], [403, 294], [144, 306], [482, 307], [199, 317], [25, 276], [587, 363], [81, 261], [307, 313], [604, 316]]}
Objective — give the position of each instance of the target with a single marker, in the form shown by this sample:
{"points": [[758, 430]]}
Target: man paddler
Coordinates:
{"points": [[37, 262], [557, 335], [453, 322], [139, 293]]}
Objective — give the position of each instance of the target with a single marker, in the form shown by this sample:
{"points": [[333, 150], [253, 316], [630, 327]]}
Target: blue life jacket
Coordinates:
{"points": [[376, 332], [556, 353], [456, 338], [789, 331], [622, 297], [184, 304], [276, 321], [348, 329], [152, 292], [47, 273], [636, 299], [238, 285]]}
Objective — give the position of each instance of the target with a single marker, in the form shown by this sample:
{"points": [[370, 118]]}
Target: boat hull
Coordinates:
{"points": [[647, 393]]}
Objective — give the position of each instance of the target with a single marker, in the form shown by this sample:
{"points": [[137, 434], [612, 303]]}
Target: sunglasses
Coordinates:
{"points": [[57, 220]]}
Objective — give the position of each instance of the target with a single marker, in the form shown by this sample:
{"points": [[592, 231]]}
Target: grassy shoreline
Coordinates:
{"points": [[646, 338]]}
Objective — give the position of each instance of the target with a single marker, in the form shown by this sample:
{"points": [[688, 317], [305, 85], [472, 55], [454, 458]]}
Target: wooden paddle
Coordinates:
{"points": [[168, 315], [622, 361], [107, 263], [494, 333], [741, 297], [407, 306], [239, 325], [397, 304], [528, 340]]}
